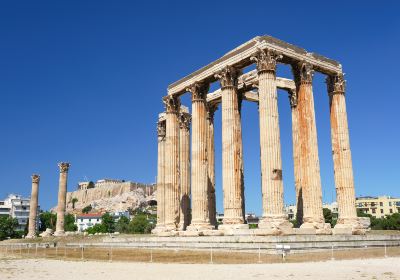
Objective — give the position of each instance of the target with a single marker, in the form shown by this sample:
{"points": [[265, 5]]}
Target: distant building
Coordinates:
{"points": [[378, 206], [109, 183], [17, 207], [291, 210], [85, 221], [252, 219], [118, 214]]}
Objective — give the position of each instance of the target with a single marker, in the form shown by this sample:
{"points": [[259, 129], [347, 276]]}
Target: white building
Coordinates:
{"points": [[291, 210], [17, 207], [85, 221]]}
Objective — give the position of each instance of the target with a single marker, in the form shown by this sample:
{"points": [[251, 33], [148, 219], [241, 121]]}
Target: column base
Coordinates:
{"points": [[319, 226], [235, 229], [356, 225], [31, 236], [158, 229], [278, 225], [59, 233], [199, 227]]}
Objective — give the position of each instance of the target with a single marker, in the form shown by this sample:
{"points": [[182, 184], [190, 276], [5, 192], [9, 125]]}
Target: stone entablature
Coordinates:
{"points": [[241, 57]]}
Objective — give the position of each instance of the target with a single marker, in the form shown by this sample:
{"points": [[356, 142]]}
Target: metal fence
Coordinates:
{"points": [[112, 252]]}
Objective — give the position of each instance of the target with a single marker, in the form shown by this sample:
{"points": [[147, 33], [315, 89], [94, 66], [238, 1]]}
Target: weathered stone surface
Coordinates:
{"points": [[62, 198], [33, 207]]}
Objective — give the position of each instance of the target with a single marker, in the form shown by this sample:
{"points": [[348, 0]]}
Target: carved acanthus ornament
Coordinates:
{"points": [[303, 73], [161, 129], [336, 84], [266, 60], [172, 104], [199, 91], [293, 98], [64, 166], [35, 178], [228, 77], [184, 120]]}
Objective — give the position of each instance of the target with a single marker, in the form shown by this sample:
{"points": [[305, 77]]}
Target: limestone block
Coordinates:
{"points": [[213, 232], [342, 231], [305, 231]]}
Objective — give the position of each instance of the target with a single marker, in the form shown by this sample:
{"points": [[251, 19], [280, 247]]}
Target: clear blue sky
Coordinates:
{"points": [[82, 81]]}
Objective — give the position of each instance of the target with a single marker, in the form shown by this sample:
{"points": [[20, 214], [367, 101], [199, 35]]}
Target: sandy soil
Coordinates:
{"points": [[44, 269]]}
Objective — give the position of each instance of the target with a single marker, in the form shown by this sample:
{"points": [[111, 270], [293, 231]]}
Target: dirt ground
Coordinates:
{"points": [[50, 269]]}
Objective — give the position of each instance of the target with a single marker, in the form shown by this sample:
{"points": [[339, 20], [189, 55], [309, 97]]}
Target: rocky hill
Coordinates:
{"points": [[110, 195]]}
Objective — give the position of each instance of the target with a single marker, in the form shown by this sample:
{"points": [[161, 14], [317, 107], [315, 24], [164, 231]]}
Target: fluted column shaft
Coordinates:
{"points": [[161, 176], [211, 164], [33, 206], [200, 198], [341, 152], [172, 178], [296, 156], [62, 196], [184, 139], [232, 177], [310, 182]]}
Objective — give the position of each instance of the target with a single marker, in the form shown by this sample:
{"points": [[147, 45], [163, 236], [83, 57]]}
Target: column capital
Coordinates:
{"points": [[303, 73], [172, 104], [161, 129], [185, 120], [336, 84], [228, 76], [35, 178], [292, 98], [266, 60], [64, 166], [199, 91]]}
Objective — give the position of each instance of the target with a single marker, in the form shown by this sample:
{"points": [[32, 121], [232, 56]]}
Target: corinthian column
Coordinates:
{"points": [[232, 164], [211, 164], [160, 178], [200, 211], [274, 217], [33, 207], [342, 162], [296, 156], [310, 181], [62, 195], [172, 180], [184, 137]]}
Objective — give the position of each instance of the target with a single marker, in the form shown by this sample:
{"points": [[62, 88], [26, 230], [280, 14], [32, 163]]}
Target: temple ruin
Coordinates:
{"points": [[186, 190]]}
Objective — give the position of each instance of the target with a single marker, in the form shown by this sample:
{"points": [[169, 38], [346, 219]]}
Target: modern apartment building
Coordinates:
{"points": [[17, 207], [378, 206]]}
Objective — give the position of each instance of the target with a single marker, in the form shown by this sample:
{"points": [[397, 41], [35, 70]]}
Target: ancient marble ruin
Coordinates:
{"points": [[190, 210], [33, 207], [62, 198]]}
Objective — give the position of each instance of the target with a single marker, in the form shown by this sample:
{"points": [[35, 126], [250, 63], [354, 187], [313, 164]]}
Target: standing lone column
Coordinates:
{"points": [[172, 180], [62, 196], [232, 165], [274, 219], [211, 164], [200, 199], [160, 178], [184, 138], [33, 207], [296, 155], [342, 162], [310, 181]]}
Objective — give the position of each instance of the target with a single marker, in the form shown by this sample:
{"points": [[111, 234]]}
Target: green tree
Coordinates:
{"points": [[108, 222], [328, 216], [140, 224], [70, 223], [8, 227], [122, 225], [47, 220], [97, 228], [74, 200], [87, 209]]}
